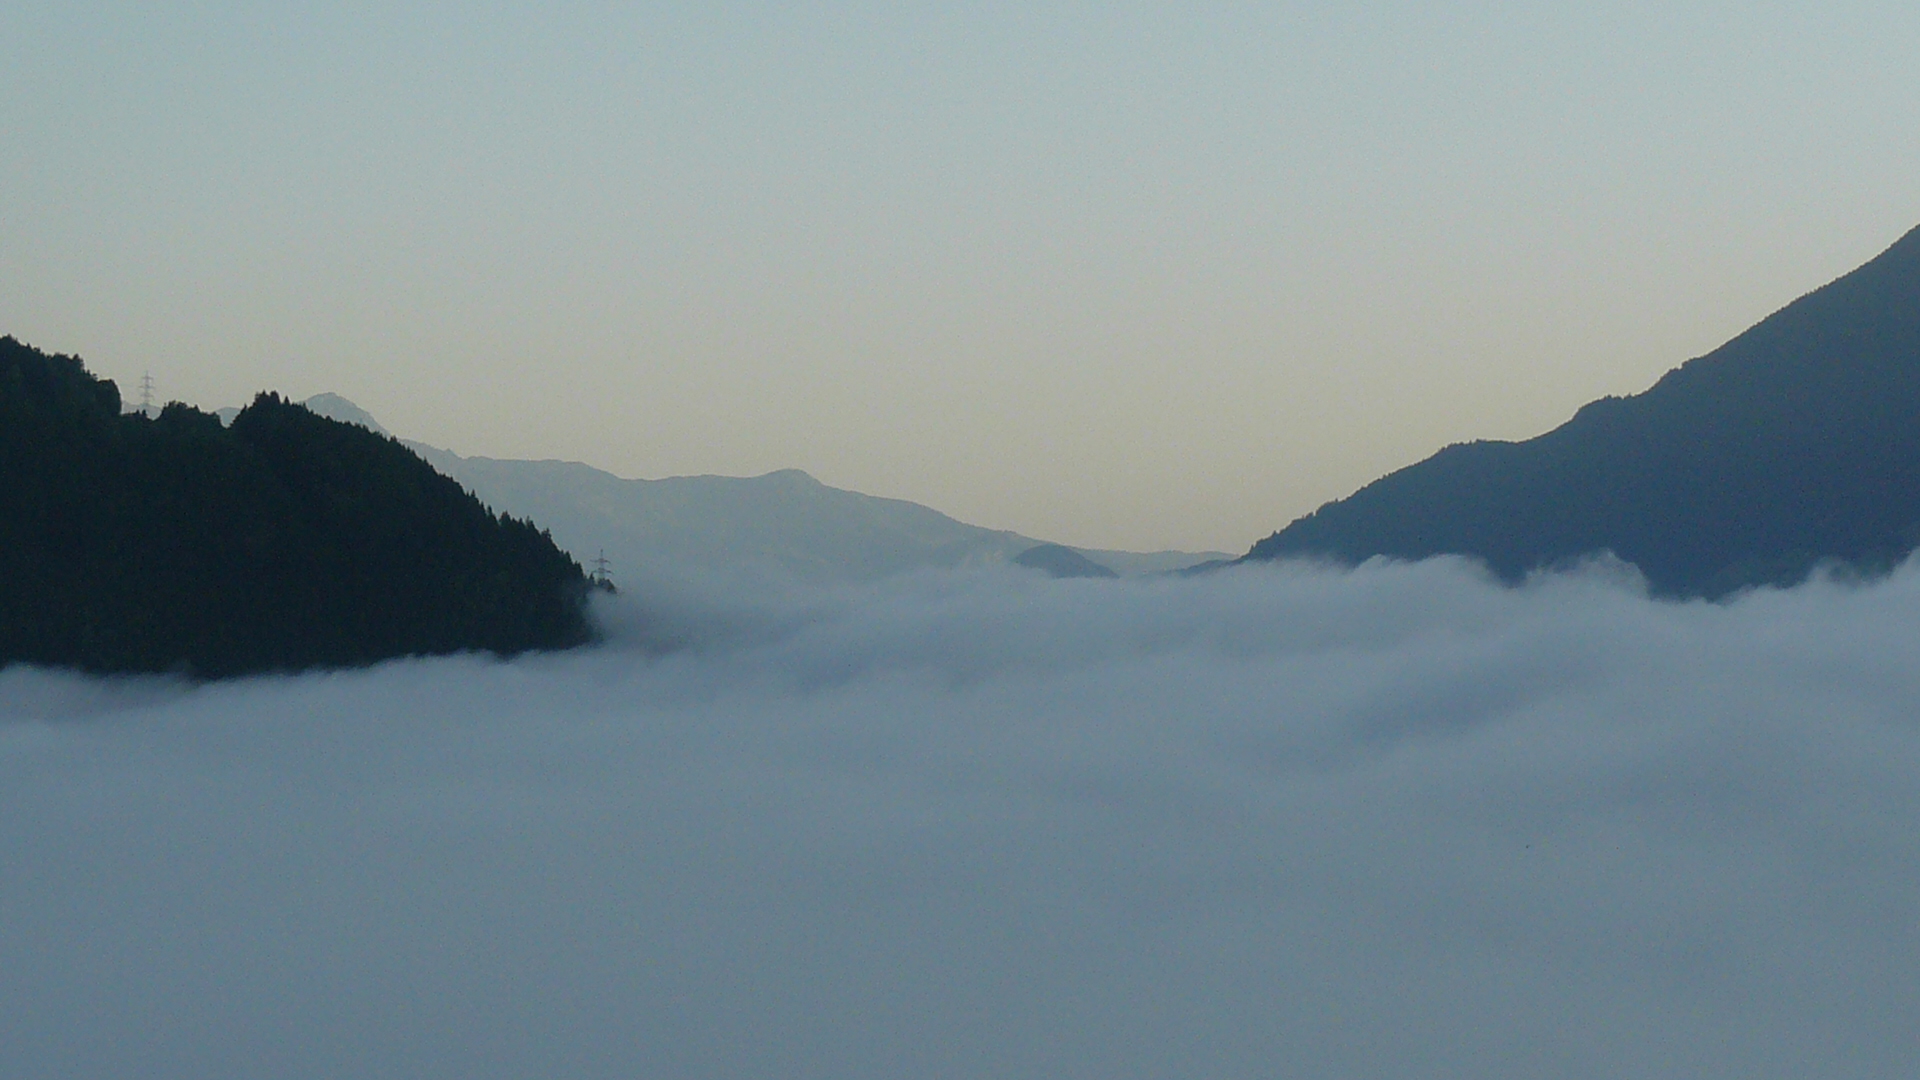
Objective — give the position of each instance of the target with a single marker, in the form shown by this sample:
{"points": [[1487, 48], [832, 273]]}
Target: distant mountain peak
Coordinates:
{"points": [[335, 407], [791, 477], [1058, 560]]}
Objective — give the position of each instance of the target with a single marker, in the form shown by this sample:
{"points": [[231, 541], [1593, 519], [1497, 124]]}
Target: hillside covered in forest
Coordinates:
{"points": [[1795, 443], [285, 541]]}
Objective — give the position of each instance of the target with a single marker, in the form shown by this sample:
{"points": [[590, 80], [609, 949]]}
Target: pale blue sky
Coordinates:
{"points": [[1117, 275]]}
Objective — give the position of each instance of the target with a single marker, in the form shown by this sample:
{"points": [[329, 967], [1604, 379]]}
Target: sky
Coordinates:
{"points": [[1398, 822], [1116, 275]]}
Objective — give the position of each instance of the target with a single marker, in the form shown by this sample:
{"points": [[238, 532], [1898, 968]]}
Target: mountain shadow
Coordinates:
{"points": [[1795, 443], [286, 541]]}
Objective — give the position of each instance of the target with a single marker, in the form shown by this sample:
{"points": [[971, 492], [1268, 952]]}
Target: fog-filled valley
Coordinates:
{"points": [[960, 542], [1275, 820]]}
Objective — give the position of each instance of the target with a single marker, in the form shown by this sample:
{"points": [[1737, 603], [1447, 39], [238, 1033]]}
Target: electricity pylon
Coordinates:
{"points": [[601, 577]]}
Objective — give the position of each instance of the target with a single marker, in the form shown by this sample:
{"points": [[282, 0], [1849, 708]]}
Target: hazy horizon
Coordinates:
{"points": [[1118, 276]]}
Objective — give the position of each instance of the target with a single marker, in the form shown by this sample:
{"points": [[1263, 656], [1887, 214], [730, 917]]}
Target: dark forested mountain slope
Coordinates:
{"points": [[286, 541], [1795, 442]]}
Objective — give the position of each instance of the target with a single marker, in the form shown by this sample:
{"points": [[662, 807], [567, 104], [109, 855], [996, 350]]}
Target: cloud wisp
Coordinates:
{"points": [[1399, 821]]}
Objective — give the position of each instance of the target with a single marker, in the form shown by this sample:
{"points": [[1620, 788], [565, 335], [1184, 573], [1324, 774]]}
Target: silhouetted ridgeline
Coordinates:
{"points": [[1795, 442], [1056, 560], [286, 541]]}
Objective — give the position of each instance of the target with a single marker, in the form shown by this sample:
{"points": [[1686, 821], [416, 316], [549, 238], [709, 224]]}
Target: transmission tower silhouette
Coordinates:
{"points": [[146, 394], [601, 577]]}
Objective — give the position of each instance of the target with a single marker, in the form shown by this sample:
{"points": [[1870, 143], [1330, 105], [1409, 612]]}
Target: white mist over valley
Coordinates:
{"points": [[1278, 820], [960, 542]]}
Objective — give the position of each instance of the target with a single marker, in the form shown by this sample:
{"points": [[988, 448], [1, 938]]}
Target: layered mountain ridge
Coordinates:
{"points": [[782, 526]]}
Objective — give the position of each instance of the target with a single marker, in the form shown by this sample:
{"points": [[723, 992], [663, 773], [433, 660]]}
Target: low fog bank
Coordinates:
{"points": [[1273, 821]]}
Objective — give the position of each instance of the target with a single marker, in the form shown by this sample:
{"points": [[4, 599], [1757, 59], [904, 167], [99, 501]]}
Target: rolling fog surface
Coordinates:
{"points": [[1274, 821]]}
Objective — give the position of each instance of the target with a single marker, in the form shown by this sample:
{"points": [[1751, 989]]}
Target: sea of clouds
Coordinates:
{"points": [[1275, 821]]}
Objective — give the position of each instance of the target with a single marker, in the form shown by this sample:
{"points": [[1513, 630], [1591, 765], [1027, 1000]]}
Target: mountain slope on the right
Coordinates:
{"points": [[1796, 443]]}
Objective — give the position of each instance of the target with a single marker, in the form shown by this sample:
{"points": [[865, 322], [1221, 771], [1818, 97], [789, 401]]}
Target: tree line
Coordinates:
{"points": [[283, 542]]}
